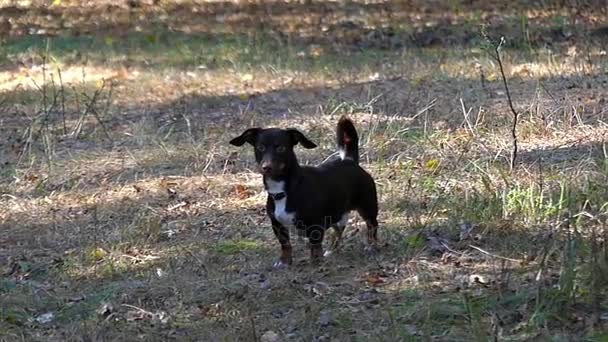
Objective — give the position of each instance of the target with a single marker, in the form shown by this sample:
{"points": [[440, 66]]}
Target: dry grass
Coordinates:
{"points": [[145, 224]]}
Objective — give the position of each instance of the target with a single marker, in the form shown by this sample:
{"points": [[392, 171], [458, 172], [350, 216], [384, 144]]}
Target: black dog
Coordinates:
{"points": [[312, 199]]}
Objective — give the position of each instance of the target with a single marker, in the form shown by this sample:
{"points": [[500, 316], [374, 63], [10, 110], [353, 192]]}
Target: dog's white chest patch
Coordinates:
{"points": [[286, 218]]}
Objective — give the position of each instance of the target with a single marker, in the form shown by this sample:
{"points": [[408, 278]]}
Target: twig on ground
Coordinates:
{"points": [[494, 255], [254, 335], [138, 309]]}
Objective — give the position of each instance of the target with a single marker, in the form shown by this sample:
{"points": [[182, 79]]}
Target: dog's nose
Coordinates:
{"points": [[266, 168]]}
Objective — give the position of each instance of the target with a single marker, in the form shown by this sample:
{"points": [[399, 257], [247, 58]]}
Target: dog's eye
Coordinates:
{"points": [[261, 148], [280, 148]]}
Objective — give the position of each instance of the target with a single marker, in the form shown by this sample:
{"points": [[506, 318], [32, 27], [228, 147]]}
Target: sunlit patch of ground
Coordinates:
{"points": [[125, 213]]}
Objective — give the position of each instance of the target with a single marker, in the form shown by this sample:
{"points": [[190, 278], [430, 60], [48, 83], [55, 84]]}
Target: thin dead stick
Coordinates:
{"points": [[496, 55], [445, 245], [425, 109], [466, 114], [138, 309], [515, 114], [87, 110], [254, 334], [494, 255], [62, 100]]}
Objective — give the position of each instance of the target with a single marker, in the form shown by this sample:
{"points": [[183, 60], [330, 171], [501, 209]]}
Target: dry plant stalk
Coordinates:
{"points": [[496, 55]]}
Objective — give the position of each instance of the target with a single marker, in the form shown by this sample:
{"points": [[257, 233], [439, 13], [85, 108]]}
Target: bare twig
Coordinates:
{"points": [[254, 334], [495, 255], [89, 109], [62, 101], [496, 55], [466, 114], [515, 114], [146, 312], [44, 94]]}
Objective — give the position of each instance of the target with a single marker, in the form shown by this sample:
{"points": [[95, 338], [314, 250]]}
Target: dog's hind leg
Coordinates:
{"points": [[372, 230], [371, 221], [315, 237], [336, 237]]}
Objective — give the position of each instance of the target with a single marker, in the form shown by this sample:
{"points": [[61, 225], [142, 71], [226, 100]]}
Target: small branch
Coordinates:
{"points": [[515, 114], [254, 334], [466, 114], [89, 109], [494, 255], [62, 101], [496, 55], [145, 312]]}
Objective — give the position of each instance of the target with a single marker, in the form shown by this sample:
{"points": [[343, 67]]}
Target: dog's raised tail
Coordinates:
{"points": [[348, 140]]}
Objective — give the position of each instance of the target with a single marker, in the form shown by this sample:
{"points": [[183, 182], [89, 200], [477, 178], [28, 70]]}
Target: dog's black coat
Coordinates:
{"points": [[312, 198]]}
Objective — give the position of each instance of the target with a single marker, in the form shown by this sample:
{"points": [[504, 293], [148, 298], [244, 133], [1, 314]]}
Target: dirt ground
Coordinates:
{"points": [[126, 215]]}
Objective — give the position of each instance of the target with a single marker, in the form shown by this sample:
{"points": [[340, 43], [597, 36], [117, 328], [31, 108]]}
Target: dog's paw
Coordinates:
{"points": [[280, 264]]}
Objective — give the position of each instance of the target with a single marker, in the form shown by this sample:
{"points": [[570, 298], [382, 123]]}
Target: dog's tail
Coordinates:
{"points": [[348, 140]]}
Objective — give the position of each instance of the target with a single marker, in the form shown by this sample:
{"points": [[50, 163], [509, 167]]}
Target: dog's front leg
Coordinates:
{"points": [[316, 244], [282, 235]]}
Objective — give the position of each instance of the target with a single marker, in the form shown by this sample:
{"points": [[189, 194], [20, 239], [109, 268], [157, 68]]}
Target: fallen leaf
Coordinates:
{"points": [[432, 165], [270, 336], [121, 74], [265, 285], [161, 317], [45, 318], [316, 50], [178, 205], [76, 299], [325, 318], [172, 193], [478, 279], [105, 309], [374, 279], [135, 315], [98, 253], [411, 329], [242, 192]]}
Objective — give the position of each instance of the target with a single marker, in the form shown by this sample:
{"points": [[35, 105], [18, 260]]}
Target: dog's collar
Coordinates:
{"points": [[277, 196]]}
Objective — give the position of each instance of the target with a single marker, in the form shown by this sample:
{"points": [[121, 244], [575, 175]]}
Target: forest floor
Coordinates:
{"points": [[126, 215]]}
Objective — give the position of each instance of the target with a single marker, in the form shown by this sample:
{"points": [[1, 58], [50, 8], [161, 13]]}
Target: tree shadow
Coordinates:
{"points": [[200, 34], [571, 155], [205, 278], [182, 133], [195, 274]]}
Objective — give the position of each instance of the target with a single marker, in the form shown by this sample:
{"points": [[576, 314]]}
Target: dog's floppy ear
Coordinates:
{"points": [[249, 136], [298, 137]]}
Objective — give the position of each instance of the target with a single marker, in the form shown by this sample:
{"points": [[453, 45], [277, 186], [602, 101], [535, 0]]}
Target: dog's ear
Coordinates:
{"points": [[249, 136], [298, 137]]}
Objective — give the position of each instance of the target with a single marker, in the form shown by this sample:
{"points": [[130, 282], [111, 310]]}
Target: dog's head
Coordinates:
{"points": [[273, 148]]}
